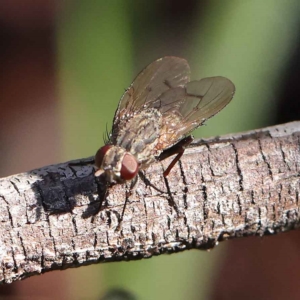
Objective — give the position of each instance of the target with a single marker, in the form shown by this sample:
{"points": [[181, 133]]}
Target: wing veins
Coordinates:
{"points": [[152, 77], [197, 108]]}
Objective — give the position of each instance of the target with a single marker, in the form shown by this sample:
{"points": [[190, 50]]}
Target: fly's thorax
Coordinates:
{"points": [[116, 163], [140, 135]]}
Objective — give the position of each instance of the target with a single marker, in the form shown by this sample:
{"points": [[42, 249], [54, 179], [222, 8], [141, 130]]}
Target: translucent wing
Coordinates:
{"points": [[186, 108], [157, 78], [204, 99], [164, 85]]}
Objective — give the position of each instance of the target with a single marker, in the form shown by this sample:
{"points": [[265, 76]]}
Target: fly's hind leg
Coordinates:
{"points": [[175, 149]]}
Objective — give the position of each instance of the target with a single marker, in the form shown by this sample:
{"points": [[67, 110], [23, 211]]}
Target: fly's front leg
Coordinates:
{"points": [[103, 188], [103, 195], [175, 149], [128, 193]]}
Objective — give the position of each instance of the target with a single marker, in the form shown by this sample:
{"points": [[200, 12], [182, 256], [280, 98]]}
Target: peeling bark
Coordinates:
{"points": [[231, 186]]}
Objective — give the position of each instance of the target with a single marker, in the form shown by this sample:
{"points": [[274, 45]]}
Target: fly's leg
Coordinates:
{"points": [[104, 195], [175, 149], [103, 188], [128, 194], [148, 183]]}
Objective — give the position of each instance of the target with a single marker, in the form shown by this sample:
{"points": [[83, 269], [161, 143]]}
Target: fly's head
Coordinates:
{"points": [[116, 163]]}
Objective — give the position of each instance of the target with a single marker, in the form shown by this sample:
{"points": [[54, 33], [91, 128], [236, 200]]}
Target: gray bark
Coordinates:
{"points": [[231, 186]]}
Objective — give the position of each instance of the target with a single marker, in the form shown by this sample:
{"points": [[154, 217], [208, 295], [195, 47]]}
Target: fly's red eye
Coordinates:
{"points": [[100, 155], [129, 168]]}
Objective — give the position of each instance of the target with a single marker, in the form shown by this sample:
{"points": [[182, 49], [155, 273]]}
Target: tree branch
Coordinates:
{"points": [[232, 186]]}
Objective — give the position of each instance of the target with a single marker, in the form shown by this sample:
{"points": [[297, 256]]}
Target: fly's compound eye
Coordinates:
{"points": [[129, 167], [100, 155]]}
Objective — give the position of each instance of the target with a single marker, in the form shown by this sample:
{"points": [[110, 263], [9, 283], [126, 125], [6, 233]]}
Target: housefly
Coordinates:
{"points": [[155, 116]]}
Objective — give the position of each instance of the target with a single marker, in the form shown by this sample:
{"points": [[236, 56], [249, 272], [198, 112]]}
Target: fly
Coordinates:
{"points": [[155, 116]]}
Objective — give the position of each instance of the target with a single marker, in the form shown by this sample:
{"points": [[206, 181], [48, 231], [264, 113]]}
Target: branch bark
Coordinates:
{"points": [[227, 187]]}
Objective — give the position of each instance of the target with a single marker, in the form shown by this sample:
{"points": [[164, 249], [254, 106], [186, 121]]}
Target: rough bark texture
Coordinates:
{"points": [[232, 186]]}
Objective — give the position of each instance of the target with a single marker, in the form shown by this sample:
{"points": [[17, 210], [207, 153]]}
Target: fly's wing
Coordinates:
{"points": [[204, 99], [186, 108], [156, 79]]}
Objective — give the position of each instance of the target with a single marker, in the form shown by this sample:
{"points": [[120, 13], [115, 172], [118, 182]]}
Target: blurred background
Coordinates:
{"points": [[64, 66]]}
